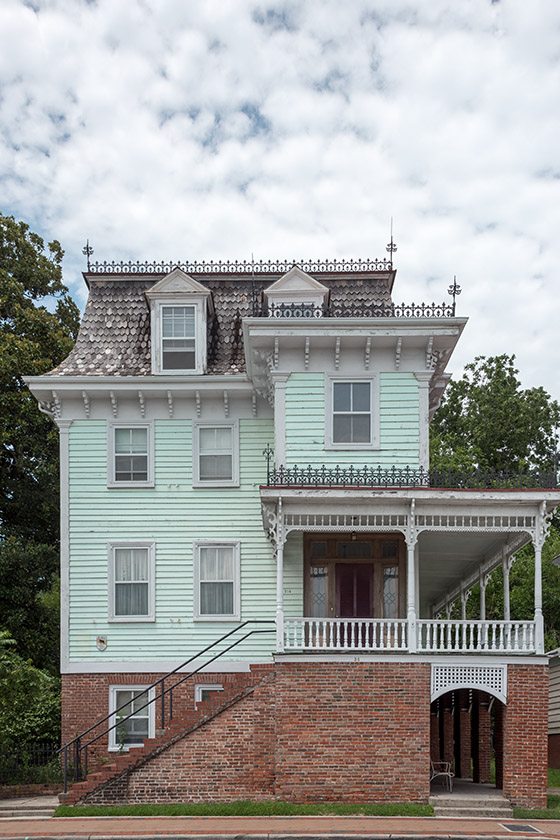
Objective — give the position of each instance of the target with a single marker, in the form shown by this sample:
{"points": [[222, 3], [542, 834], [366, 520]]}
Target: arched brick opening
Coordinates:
{"points": [[467, 730]]}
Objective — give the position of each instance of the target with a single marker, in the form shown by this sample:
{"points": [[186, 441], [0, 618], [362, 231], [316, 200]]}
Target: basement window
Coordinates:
{"points": [[135, 701]]}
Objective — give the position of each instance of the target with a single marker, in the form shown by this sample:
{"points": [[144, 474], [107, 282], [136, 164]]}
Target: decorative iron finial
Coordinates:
{"points": [[253, 291], [391, 247], [454, 290], [87, 251]]}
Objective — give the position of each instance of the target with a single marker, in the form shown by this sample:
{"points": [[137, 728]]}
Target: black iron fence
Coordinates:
{"points": [[342, 476], [353, 309], [29, 763]]}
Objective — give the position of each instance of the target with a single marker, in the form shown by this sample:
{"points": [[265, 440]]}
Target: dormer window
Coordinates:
{"points": [[180, 306], [296, 295], [178, 338]]}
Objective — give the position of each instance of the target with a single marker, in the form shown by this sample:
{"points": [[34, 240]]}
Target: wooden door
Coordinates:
{"points": [[354, 590]]}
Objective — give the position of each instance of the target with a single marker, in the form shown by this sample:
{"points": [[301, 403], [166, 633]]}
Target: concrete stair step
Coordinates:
{"points": [[492, 813], [470, 802]]}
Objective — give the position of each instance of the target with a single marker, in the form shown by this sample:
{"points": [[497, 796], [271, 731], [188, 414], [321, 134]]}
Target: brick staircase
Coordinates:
{"points": [[181, 726]]}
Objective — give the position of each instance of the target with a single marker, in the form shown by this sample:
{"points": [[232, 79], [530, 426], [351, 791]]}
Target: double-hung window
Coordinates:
{"points": [[215, 455], [217, 581], [130, 731], [130, 456], [352, 421], [131, 582], [178, 338], [351, 412]]}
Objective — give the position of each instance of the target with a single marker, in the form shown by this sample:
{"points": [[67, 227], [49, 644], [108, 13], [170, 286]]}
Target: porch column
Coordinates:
{"points": [[540, 534], [411, 596], [505, 570], [482, 581], [411, 540], [280, 539], [464, 599], [539, 624]]}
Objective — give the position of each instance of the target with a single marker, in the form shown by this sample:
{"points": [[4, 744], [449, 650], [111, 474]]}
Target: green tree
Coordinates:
{"points": [[29, 699], [38, 324], [486, 420]]}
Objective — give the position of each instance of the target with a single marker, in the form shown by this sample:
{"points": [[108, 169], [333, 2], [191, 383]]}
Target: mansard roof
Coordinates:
{"points": [[114, 336]]}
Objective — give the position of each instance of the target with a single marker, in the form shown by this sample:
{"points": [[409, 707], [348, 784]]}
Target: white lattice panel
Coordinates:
{"points": [[490, 678]]}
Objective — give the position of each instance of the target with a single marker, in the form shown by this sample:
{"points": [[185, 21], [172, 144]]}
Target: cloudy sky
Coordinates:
{"points": [[187, 129]]}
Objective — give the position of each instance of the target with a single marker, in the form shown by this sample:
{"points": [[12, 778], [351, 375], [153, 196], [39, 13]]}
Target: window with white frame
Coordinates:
{"points": [[215, 455], [125, 700], [217, 585], [131, 581], [204, 691], [352, 413], [178, 338], [130, 455]]}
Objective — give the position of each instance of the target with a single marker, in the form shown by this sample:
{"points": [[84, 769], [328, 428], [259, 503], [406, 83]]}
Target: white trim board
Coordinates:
{"points": [[159, 666]]}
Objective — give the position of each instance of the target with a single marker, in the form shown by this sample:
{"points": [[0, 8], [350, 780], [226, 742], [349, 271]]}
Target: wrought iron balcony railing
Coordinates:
{"points": [[337, 476], [237, 266], [354, 309]]}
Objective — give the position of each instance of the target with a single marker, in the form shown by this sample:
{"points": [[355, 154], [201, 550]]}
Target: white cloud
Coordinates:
{"points": [[297, 129]]}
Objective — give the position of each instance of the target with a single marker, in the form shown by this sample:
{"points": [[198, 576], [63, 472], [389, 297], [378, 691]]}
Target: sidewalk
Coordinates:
{"points": [[273, 828]]}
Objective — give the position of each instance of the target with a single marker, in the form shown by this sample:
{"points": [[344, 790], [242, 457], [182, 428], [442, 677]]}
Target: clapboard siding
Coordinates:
{"points": [[554, 698], [398, 423], [173, 514]]}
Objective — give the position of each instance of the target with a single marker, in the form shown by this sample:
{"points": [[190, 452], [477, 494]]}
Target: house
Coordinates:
{"points": [[245, 458]]}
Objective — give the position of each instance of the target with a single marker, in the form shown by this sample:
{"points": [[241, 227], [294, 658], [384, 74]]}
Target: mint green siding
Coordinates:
{"points": [[398, 423], [173, 514]]}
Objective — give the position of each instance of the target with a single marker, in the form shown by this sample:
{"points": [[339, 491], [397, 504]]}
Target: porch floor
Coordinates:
{"points": [[463, 789]]}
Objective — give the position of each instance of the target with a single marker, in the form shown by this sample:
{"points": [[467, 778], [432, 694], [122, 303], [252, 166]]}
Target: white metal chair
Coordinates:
{"points": [[442, 770]]}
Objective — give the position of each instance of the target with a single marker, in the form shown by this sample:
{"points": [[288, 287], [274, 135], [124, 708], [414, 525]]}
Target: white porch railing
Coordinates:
{"points": [[341, 634], [476, 636], [433, 636]]}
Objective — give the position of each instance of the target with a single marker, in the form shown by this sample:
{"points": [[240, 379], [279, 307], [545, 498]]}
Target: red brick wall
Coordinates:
{"points": [[320, 731], [85, 698], [353, 731], [230, 758], [481, 738], [464, 771], [525, 736]]}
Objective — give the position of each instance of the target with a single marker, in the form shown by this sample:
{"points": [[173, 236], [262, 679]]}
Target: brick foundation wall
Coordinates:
{"points": [[24, 791], [230, 758], [525, 736], [321, 730], [85, 699], [352, 731]]}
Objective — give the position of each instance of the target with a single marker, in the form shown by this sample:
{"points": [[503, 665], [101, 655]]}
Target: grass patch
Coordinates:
{"points": [[551, 812], [246, 809], [553, 777]]}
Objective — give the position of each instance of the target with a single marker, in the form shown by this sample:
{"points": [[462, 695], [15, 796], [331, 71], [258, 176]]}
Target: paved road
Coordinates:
{"points": [[269, 828]]}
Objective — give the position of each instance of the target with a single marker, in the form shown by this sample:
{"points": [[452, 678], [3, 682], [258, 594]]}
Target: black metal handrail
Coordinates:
{"points": [[337, 476], [353, 309], [76, 745]]}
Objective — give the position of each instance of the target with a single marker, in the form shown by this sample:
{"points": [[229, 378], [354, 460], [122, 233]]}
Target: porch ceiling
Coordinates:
{"points": [[445, 559]]}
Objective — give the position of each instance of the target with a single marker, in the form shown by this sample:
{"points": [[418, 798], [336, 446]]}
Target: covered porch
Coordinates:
{"points": [[382, 568]]}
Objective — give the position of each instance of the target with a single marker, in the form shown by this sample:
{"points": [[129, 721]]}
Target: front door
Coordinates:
{"points": [[354, 590], [354, 575]]}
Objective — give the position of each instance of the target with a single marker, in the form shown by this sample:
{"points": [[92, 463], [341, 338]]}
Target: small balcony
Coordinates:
{"points": [[392, 636]]}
